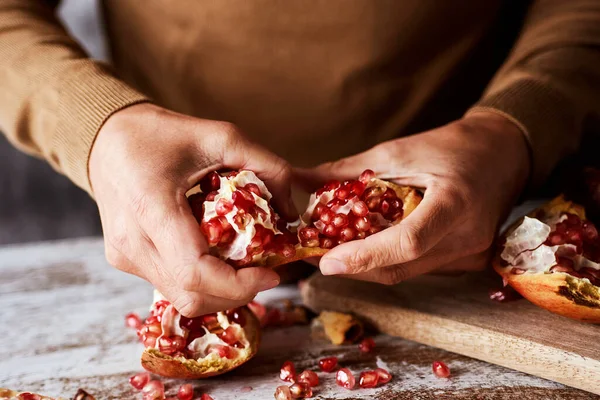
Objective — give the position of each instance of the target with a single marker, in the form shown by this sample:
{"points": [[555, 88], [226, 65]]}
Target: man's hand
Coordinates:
{"points": [[144, 160], [473, 170]]}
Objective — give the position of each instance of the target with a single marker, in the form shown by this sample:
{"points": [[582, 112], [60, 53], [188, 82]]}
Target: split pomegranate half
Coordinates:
{"points": [[235, 215], [552, 258], [193, 348]]}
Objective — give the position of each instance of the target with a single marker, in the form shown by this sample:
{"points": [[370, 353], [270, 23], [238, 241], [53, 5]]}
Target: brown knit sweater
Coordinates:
{"points": [[313, 80]]}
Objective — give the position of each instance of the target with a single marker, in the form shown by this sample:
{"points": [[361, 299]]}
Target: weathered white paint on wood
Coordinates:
{"points": [[62, 329]]}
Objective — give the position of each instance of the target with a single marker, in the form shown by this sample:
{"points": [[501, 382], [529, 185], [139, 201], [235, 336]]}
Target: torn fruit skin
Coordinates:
{"points": [[569, 294]]}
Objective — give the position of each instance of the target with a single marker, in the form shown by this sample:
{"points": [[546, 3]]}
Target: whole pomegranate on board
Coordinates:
{"points": [[552, 258]]}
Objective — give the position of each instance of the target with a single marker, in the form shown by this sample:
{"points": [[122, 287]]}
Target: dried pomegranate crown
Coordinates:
{"points": [[235, 214]]}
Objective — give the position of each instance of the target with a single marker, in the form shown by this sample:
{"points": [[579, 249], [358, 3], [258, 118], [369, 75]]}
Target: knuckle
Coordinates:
{"points": [[189, 305], [361, 260], [412, 244], [113, 250], [188, 277]]}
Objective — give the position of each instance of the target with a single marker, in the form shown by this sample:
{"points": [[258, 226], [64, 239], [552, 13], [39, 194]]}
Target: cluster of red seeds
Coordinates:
{"points": [[584, 236], [220, 233], [329, 227], [303, 384], [28, 396], [150, 331], [155, 389]]}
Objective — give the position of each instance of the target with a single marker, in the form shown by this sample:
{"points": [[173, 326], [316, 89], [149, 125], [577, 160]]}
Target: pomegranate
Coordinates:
{"points": [[138, 381], [185, 392], [300, 390], [552, 258], [236, 217], [368, 379], [366, 345], [287, 372], [193, 348], [283, 393], [384, 376]]}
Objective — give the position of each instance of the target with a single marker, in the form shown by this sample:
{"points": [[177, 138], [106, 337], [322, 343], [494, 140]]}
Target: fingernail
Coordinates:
{"points": [[332, 267], [268, 285]]}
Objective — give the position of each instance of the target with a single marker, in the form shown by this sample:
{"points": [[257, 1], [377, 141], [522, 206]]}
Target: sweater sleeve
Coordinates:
{"points": [[550, 83], [53, 98]]}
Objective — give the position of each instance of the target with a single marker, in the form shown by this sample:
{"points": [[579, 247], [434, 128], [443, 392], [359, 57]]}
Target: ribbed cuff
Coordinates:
{"points": [[89, 95], [544, 115]]}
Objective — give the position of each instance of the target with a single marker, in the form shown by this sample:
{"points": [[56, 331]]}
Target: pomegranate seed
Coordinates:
{"points": [[368, 379], [384, 207], [326, 243], [572, 220], [149, 340], [154, 390], [206, 397], [319, 208], [340, 220], [210, 182], [185, 392], [373, 191], [138, 381], [259, 310], [361, 235], [28, 396], [132, 320], [311, 243], [517, 271], [222, 350], [283, 393], [300, 390], [308, 233], [358, 188], [235, 316], [243, 200], [373, 203], [366, 345], [327, 216], [440, 369], [333, 184], [159, 307], [309, 377], [366, 176], [288, 251], [229, 336], [211, 196], [328, 364], [345, 379], [384, 376], [589, 231], [212, 231], [347, 234], [253, 188], [362, 224], [343, 192], [223, 207], [192, 324], [360, 209], [171, 344], [335, 203], [287, 372], [330, 230]]}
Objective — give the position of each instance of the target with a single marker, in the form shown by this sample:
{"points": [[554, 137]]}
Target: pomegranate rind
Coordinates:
{"points": [[558, 292], [410, 200], [162, 364], [340, 328]]}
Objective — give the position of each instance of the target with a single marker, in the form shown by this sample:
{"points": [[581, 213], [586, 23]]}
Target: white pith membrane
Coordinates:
{"points": [[526, 250], [204, 348]]}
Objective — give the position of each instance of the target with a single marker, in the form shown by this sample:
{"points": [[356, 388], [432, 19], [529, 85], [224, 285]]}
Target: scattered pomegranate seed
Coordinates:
{"points": [[384, 376], [283, 393], [154, 390], [440, 369], [29, 396], [345, 379], [138, 381], [366, 345], [368, 379], [132, 320], [300, 390], [185, 392], [205, 396], [328, 364], [309, 377], [287, 372]]}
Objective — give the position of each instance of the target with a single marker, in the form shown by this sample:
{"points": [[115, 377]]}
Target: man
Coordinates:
{"points": [[493, 101]]}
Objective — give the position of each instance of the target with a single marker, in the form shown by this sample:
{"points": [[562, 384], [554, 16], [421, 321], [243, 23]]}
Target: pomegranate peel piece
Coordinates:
{"points": [[556, 290], [211, 365], [338, 327]]}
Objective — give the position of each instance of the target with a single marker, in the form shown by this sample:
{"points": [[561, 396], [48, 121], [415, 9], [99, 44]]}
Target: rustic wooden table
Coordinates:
{"points": [[62, 329]]}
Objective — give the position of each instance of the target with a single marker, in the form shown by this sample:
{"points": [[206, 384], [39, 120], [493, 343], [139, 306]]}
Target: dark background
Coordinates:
{"points": [[36, 203]]}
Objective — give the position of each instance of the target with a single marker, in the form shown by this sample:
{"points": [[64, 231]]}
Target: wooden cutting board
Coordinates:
{"points": [[455, 314]]}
